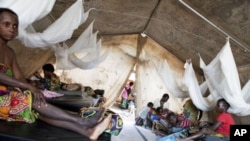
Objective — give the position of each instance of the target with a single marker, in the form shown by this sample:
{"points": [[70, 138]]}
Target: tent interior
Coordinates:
{"points": [[100, 43]]}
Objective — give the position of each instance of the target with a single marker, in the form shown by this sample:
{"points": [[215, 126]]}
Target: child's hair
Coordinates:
{"points": [[165, 95], [150, 104], [159, 110], [131, 83], [224, 102], [170, 115], [48, 67]]}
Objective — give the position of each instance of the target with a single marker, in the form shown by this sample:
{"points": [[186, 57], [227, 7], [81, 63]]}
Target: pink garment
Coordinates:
{"points": [[125, 92], [51, 94]]}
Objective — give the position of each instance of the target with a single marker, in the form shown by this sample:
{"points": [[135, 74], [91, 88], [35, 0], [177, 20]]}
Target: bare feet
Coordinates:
{"points": [[96, 131], [91, 121]]}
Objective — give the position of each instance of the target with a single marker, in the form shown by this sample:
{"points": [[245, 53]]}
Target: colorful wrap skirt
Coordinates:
{"points": [[16, 105]]}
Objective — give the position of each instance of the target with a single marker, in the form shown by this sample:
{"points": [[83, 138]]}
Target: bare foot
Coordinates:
{"points": [[93, 120], [100, 128]]}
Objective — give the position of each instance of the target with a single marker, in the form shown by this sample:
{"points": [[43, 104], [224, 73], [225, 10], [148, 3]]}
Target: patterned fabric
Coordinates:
{"points": [[53, 83], [185, 123], [15, 105], [116, 123], [191, 112]]}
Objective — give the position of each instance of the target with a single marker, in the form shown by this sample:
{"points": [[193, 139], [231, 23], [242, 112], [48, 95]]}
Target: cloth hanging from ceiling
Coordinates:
{"points": [[191, 82], [223, 78], [84, 56], [149, 85], [110, 75], [59, 31], [177, 89]]}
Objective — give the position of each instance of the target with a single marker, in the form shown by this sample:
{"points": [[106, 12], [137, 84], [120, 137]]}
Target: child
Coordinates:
{"points": [[142, 119], [156, 116], [177, 126], [125, 94], [50, 81]]}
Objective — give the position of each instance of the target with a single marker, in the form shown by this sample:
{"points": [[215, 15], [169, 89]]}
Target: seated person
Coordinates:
{"points": [[220, 130], [191, 112], [141, 119], [24, 102], [177, 125], [50, 81], [164, 104], [178, 122], [162, 127], [156, 116]]}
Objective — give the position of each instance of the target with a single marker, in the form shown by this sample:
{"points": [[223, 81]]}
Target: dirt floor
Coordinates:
{"points": [[130, 131]]}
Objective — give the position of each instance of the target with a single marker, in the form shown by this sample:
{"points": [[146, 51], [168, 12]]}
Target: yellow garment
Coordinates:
{"points": [[15, 105]]}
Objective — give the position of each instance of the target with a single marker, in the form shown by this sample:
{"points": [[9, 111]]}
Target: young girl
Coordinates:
{"points": [[141, 120]]}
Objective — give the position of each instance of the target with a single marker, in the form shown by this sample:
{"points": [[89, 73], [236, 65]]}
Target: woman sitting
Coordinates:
{"points": [[220, 130]]}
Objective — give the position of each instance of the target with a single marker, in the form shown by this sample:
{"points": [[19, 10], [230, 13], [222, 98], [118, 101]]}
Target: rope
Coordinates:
{"points": [[212, 24]]}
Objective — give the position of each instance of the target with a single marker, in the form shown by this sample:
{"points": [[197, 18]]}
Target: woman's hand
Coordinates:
{"points": [[38, 97]]}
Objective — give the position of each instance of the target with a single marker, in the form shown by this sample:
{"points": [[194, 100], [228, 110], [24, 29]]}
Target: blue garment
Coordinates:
{"points": [[171, 137], [155, 117]]}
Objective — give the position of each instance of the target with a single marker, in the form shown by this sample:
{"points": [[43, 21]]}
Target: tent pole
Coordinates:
{"points": [[212, 24]]}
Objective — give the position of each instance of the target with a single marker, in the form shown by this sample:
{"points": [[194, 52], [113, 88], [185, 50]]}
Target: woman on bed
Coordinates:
{"points": [[21, 101]]}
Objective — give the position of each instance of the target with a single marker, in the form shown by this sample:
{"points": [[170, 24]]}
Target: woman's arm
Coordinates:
{"points": [[18, 80], [10, 81], [215, 125]]}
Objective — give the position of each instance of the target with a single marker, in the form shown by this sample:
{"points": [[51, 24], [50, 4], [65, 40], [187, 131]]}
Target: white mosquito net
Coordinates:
{"points": [[59, 31], [222, 80]]}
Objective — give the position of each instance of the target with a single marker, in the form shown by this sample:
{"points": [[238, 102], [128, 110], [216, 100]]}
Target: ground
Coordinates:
{"points": [[130, 131]]}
